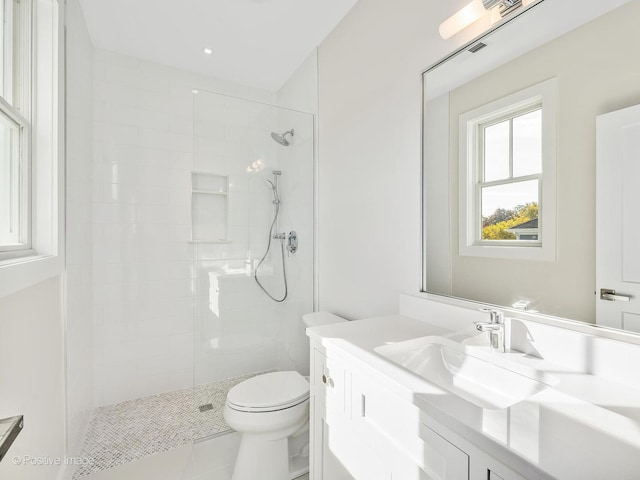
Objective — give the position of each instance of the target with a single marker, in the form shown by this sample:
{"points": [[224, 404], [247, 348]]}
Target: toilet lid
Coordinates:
{"points": [[270, 391]]}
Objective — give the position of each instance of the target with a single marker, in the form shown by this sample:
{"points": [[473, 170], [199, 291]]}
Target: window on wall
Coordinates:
{"points": [[510, 176], [31, 142], [507, 176], [15, 128]]}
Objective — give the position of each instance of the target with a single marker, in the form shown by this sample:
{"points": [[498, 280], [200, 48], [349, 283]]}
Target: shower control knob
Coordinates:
{"points": [[292, 242]]}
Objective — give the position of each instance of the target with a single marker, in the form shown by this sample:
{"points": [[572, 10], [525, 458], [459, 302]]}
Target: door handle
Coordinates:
{"points": [[611, 296]]}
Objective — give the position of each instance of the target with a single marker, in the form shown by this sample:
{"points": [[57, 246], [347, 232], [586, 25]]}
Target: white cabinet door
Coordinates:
{"points": [[443, 460], [411, 450], [327, 414], [327, 463], [363, 451], [617, 225], [329, 380]]}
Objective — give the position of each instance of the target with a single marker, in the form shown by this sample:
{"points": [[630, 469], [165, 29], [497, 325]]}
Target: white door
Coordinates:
{"points": [[618, 219]]}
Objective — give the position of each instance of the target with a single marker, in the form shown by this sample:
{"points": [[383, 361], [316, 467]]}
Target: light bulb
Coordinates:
{"points": [[462, 19]]}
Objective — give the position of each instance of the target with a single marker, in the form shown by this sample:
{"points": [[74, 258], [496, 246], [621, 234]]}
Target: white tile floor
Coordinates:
{"points": [[212, 459]]}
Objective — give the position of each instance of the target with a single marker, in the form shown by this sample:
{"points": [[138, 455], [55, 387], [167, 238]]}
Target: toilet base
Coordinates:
{"points": [[260, 457]]}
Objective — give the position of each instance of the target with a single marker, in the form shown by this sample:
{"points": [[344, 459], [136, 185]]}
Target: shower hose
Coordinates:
{"points": [[284, 271]]}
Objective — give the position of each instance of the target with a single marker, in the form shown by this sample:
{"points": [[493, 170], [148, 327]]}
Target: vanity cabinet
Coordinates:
{"points": [[327, 416], [343, 446], [362, 430]]}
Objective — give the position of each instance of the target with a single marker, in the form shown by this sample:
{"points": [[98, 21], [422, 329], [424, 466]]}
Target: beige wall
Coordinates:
{"points": [[300, 91], [32, 376], [597, 71], [369, 153]]}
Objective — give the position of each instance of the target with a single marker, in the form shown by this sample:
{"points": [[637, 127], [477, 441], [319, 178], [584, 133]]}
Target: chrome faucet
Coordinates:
{"points": [[495, 327]]}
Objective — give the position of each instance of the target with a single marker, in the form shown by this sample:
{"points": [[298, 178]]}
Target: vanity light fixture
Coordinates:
{"points": [[474, 11]]}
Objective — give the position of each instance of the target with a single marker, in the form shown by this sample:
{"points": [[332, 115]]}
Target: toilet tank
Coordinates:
{"points": [[317, 319]]}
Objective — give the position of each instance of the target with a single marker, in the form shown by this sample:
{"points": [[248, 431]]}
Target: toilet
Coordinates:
{"points": [[270, 410]]}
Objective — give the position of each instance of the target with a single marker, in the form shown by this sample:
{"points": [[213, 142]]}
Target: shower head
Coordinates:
{"points": [[274, 191], [281, 138]]}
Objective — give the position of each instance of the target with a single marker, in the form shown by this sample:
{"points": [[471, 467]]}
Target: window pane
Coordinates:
{"points": [[510, 211], [496, 152], [10, 181], [527, 144]]}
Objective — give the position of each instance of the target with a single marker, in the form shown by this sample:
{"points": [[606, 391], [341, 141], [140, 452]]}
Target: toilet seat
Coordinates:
{"points": [[269, 392]]}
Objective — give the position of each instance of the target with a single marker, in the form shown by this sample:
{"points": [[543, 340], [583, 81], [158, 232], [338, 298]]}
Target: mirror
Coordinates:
{"points": [[573, 66]]}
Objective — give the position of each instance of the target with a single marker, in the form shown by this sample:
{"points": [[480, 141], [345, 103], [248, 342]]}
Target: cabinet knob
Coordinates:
{"points": [[327, 380]]}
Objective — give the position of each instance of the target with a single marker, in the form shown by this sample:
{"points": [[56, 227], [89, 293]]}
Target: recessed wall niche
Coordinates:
{"points": [[209, 207]]}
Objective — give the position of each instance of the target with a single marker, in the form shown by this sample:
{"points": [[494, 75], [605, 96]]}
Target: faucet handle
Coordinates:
{"points": [[495, 316]]}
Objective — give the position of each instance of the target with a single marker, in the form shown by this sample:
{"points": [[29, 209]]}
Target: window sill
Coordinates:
{"points": [[543, 252], [16, 256], [23, 272]]}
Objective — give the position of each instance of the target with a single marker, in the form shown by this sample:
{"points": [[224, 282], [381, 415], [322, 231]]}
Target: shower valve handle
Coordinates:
{"points": [[292, 243]]}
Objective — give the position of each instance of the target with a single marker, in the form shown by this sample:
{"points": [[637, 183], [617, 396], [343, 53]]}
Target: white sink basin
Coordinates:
{"points": [[483, 379]]}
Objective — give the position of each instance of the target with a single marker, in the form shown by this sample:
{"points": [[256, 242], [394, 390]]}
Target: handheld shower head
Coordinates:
{"points": [[274, 190], [281, 138]]}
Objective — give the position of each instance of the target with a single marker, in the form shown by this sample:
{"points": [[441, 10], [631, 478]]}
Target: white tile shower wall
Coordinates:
{"points": [[297, 214], [239, 329], [79, 289], [143, 157], [300, 93], [235, 322]]}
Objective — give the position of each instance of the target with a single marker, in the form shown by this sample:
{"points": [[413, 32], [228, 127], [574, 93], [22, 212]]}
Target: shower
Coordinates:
{"points": [[275, 236], [281, 138]]}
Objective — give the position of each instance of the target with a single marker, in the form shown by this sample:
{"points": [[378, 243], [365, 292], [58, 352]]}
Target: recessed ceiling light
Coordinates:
{"points": [[208, 51]]}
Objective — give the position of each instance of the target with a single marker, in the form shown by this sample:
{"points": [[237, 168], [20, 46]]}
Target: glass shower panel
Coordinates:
{"points": [[241, 178]]}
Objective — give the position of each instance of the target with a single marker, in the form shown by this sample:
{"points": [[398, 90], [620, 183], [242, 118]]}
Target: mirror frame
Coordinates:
{"points": [[547, 319]]}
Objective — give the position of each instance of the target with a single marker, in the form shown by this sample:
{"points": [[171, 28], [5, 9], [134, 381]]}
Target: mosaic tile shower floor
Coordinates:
{"points": [[128, 431]]}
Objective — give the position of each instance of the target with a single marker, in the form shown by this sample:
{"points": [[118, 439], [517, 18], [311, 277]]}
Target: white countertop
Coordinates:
{"points": [[583, 427]]}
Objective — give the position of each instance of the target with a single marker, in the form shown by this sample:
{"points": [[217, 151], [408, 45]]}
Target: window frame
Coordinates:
{"points": [[471, 175], [46, 108], [24, 247], [481, 183], [15, 103]]}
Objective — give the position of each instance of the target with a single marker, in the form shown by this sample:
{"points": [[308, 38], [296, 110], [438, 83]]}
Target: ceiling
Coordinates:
{"points": [[258, 43]]}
